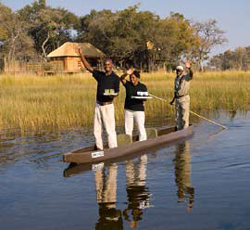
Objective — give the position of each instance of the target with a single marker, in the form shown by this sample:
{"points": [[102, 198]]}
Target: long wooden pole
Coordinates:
{"points": [[204, 118]]}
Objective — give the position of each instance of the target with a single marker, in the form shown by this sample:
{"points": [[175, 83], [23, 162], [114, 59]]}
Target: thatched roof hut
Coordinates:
{"points": [[66, 59]]}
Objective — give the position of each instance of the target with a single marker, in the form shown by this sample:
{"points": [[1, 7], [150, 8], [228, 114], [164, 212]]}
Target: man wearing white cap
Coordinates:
{"points": [[181, 96]]}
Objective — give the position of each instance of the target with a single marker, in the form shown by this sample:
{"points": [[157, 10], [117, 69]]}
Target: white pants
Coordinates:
{"points": [[182, 112], [136, 172], [105, 116], [139, 117], [106, 185]]}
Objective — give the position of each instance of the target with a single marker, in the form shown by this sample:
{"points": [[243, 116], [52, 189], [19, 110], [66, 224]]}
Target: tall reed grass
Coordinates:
{"points": [[35, 103]]}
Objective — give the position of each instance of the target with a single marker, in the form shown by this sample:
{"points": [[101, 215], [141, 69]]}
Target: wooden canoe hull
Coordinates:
{"points": [[89, 155]]}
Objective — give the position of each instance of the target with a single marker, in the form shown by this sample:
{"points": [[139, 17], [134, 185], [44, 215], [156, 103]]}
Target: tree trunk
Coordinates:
{"points": [[43, 46], [201, 65], [11, 54]]}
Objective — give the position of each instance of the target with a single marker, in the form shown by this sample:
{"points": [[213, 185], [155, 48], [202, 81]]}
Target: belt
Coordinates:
{"points": [[104, 103], [181, 96]]}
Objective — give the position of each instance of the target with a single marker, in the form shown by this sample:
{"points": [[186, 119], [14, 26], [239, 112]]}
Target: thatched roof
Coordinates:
{"points": [[68, 50]]}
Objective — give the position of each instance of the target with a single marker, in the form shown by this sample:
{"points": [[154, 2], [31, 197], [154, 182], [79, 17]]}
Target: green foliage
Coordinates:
{"points": [[42, 2], [129, 36], [239, 59], [124, 34], [49, 27], [16, 44], [5, 15], [210, 36]]}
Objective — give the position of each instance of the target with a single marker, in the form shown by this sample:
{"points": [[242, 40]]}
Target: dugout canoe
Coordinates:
{"points": [[156, 137]]}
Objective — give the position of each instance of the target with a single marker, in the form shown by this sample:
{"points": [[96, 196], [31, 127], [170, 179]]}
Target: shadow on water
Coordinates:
{"points": [[182, 160], [106, 191], [138, 194]]}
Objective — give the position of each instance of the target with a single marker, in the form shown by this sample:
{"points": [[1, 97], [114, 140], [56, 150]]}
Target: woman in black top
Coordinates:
{"points": [[134, 107]]}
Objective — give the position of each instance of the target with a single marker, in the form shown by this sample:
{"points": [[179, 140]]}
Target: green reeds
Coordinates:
{"points": [[35, 103]]}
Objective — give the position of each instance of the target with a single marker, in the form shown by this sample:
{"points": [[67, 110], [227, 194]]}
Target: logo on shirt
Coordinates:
{"points": [[142, 93]]}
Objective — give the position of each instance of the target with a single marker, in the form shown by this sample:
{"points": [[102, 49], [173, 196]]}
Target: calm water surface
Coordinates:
{"points": [[199, 183]]}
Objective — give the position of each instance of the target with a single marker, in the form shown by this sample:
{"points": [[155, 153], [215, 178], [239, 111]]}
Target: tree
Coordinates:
{"points": [[184, 40], [239, 59], [42, 3], [124, 35], [133, 30], [49, 27], [15, 41], [210, 36]]}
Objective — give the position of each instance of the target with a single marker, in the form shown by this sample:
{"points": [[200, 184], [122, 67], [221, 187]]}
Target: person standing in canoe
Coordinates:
{"points": [[181, 96], [108, 86], [134, 108]]}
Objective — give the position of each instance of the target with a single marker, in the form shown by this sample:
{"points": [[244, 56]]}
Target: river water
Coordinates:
{"points": [[199, 183]]}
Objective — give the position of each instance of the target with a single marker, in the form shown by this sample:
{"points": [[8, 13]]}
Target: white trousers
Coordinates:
{"points": [[105, 116], [106, 185], [139, 117], [182, 112]]}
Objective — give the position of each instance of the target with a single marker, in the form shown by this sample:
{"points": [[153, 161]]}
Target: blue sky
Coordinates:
{"points": [[233, 16]]}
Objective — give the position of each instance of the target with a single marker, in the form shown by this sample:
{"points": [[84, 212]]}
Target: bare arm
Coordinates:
{"points": [[172, 101], [84, 61], [190, 71], [122, 78]]}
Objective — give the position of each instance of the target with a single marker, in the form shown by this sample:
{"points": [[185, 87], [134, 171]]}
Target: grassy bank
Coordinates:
{"points": [[36, 103]]}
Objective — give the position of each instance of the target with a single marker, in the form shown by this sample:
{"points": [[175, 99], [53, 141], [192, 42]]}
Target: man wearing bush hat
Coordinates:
{"points": [[181, 96]]}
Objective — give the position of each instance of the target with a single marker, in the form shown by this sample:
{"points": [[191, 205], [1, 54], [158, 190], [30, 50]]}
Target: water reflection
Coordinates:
{"points": [[40, 148], [106, 186], [110, 217], [185, 191], [137, 192]]}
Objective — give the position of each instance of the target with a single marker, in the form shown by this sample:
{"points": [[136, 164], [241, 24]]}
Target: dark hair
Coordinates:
{"points": [[129, 64], [109, 60], [137, 73]]}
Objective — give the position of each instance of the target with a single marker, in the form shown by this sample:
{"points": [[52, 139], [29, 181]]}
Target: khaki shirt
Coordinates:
{"points": [[182, 85]]}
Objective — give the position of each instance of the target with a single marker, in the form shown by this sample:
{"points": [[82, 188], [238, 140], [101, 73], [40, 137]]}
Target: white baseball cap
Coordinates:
{"points": [[179, 67]]}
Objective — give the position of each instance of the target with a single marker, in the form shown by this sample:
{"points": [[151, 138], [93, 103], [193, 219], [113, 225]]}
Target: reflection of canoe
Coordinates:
{"points": [[74, 169], [162, 136]]}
